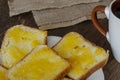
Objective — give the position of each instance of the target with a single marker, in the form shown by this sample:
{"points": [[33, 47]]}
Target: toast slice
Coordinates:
{"points": [[18, 41], [3, 72], [41, 64], [85, 57]]}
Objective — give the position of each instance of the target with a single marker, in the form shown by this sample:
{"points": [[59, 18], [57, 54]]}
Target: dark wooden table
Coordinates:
{"points": [[86, 28]]}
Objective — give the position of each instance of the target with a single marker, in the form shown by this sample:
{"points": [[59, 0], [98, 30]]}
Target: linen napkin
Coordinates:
{"points": [[67, 16], [21, 6]]}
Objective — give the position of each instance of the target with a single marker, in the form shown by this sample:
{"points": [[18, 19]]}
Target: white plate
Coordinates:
{"points": [[98, 75]]}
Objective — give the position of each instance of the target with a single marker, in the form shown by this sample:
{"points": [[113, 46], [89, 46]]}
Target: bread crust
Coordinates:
{"points": [[101, 64], [66, 78], [3, 66], [60, 76]]}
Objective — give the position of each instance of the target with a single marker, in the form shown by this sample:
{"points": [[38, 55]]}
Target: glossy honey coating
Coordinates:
{"points": [[41, 64], [19, 41], [3, 72], [80, 53]]}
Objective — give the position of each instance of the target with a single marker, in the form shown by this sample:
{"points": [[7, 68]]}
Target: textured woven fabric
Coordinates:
{"points": [[21, 6], [63, 17]]}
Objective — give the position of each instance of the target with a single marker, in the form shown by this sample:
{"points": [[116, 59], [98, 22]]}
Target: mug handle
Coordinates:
{"points": [[95, 20]]}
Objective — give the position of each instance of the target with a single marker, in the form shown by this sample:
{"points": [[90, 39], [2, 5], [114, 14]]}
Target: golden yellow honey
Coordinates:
{"points": [[41, 64], [3, 73], [20, 41]]}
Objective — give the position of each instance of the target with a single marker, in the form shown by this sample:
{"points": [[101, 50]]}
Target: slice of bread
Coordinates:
{"points": [[85, 57], [3, 72], [18, 41], [41, 64]]}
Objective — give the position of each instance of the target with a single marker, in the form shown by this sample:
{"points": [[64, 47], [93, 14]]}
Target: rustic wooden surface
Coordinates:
{"points": [[86, 28]]}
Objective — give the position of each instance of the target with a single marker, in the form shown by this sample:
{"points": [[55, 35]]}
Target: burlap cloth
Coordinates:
{"points": [[50, 14]]}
